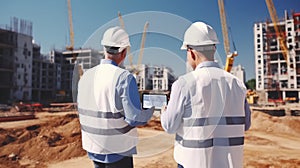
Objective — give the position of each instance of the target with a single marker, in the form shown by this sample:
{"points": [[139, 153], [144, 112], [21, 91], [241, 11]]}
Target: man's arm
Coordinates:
{"points": [[247, 116], [130, 98], [172, 116]]}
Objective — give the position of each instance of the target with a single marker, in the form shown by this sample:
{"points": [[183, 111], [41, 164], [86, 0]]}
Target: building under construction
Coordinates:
{"points": [[16, 60], [278, 71], [28, 75]]}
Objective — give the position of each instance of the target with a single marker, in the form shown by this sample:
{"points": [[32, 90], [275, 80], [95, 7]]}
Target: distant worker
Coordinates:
{"points": [[207, 110], [109, 106]]}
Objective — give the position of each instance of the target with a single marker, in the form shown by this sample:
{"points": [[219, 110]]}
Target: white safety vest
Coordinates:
{"points": [[212, 135], [103, 128]]}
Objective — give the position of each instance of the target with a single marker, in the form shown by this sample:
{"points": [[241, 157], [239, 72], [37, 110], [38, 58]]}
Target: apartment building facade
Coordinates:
{"points": [[156, 78], [278, 77], [162, 78], [142, 74]]}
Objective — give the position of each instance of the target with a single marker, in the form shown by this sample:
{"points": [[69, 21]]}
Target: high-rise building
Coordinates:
{"points": [[277, 77]]}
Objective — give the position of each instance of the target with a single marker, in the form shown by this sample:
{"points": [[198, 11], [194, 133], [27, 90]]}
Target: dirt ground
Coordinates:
{"points": [[53, 140]]}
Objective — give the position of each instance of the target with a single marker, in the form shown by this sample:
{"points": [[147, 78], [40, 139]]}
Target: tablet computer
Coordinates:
{"points": [[154, 99]]}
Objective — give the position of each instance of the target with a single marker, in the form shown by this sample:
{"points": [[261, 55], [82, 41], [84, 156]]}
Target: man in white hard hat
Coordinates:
{"points": [[207, 110], [109, 106]]}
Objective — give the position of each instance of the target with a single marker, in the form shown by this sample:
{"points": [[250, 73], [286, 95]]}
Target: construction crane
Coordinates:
{"points": [[121, 21], [229, 56], [136, 69], [280, 35], [71, 47], [130, 57], [78, 70], [140, 58]]}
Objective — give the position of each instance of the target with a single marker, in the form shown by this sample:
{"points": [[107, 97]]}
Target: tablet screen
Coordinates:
{"points": [[157, 100]]}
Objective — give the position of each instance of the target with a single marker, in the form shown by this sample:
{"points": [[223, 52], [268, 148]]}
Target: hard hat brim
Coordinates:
{"points": [[183, 47], [106, 43]]}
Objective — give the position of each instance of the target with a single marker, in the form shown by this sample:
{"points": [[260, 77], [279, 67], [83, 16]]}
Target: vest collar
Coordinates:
{"points": [[108, 61], [207, 64]]}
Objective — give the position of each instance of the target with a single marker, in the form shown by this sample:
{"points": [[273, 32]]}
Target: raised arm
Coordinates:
{"points": [[128, 91], [171, 117]]}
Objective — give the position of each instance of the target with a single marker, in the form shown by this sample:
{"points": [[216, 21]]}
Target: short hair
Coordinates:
{"points": [[112, 50], [207, 50]]}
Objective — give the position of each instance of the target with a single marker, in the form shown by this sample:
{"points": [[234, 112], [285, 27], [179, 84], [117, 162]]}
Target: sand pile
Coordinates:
{"points": [[273, 142], [56, 140], [267, 123]]}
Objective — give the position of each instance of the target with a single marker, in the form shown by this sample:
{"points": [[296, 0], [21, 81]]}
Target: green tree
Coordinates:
{"points": [[250, 84]]}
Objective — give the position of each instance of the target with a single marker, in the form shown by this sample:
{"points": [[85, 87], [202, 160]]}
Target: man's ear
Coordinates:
{"points": [[193, 56], [124, 52]]}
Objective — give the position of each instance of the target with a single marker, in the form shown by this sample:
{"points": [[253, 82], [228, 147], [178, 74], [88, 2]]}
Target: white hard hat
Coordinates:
{"points": [[199, 34], [115, 37]]}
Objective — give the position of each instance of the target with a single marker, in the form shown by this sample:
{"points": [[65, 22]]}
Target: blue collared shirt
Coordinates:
{"points": [[175, 111], [130, 104]]}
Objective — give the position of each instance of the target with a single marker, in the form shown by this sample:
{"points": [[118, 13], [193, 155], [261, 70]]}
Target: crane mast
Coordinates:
{"points": [[71, 47], [140, 57], [121, 21], [229, 56], [130, 57]]}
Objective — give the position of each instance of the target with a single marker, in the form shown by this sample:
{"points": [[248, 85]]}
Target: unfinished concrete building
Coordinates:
{"points": [[28, 75], [87, 58], [16, 61], [275, 78], [45, 76], [63, 70], [74, 62], [8, 43], [53, 74], [23, 71]]}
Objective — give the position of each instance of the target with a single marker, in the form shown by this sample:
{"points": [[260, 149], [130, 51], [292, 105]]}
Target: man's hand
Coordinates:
{"points": [[152, 109], [163, 109]]}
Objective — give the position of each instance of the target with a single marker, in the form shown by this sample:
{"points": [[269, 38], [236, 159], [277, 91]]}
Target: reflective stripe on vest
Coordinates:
{"points": [[196, 122], [89, 127], [210, 142], [213, 121], [114, 131], [100, 114]]}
